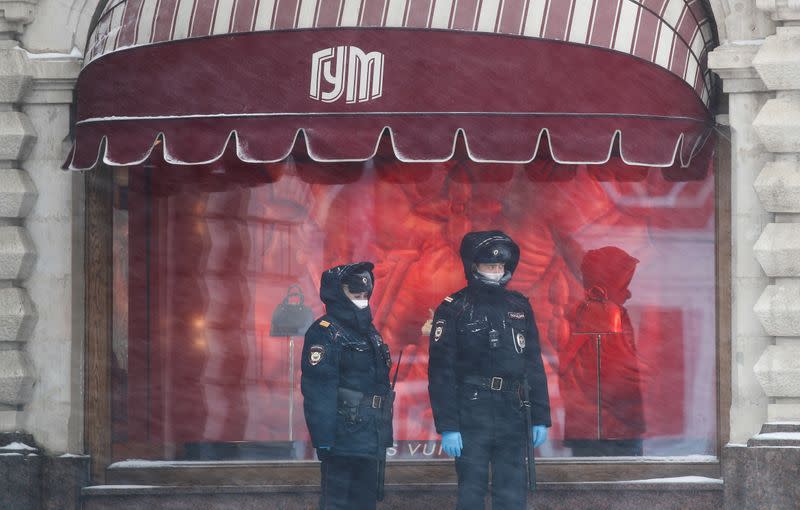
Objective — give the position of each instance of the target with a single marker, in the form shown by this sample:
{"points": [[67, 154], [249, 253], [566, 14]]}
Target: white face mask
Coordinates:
{"points": [[495, 277], [361, 303]]}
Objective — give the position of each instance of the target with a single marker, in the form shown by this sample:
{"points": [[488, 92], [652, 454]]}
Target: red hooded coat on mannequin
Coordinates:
{"points": [[602, 394]]}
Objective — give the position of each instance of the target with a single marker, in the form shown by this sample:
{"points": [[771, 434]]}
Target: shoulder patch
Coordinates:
{"points": [[324, 324], [438, 330], [315, 354]]}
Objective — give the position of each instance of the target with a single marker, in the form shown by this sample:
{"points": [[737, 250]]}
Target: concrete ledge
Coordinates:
{"points": [[774, 439], [734, 64], [689, 493], [664, 484]]}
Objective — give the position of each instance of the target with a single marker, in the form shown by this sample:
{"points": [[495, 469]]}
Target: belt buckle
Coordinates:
{"points": [[377, 401], [497, 383]]}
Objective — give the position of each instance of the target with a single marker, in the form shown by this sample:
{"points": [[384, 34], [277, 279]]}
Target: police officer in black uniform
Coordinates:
{"points": [[483, 346], [345, 384]]}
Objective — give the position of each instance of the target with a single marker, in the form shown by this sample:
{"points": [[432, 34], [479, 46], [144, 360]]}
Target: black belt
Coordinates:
{"points": [[351, 398], [493, 383]]}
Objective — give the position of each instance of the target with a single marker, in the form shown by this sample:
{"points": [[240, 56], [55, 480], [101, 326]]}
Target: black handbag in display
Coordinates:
{"points": [[291, 318]]}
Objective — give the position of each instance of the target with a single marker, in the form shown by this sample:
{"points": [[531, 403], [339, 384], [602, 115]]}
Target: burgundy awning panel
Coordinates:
{"points": [[576, 80], [510, 97]]}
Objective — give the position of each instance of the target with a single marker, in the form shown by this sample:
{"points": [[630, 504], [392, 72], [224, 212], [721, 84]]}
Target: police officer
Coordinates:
{"points": [[345, 384], [484, 345]]}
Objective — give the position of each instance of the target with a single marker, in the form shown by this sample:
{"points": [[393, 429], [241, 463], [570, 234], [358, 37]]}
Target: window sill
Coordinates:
{"points": [[407, 472]]}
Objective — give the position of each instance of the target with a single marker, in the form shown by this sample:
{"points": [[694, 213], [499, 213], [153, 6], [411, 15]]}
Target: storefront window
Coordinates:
{"points": [[209, 259]]}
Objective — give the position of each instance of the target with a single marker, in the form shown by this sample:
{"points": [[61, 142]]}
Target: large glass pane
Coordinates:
{"points": [[618, 263]]}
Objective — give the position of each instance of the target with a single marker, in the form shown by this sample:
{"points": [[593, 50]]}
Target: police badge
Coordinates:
{"points": [[520, 341], [437, 332], [315, 354]]}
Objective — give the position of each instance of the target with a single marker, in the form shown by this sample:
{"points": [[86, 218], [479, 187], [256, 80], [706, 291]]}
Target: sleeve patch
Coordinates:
{"points": [[438, 329], [315, 354]]}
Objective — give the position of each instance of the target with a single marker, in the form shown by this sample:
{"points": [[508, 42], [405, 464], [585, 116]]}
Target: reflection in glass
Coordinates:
{"points": [[205, 255], [599, 367]]}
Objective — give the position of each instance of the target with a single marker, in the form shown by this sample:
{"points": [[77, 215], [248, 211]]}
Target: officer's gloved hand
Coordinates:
{"points": [[451, 443], [539, 435]]}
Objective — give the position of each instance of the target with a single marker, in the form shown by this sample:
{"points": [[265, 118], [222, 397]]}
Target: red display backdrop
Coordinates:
{"points": [[205, 254]]}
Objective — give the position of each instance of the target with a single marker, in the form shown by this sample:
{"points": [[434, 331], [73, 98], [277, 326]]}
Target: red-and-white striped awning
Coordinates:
{"points": [[511, 76]]}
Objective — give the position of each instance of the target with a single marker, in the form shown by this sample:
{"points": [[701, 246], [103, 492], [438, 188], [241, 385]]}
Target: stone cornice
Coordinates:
{"points": [[781, 10], [733, 62], [53, 80]]}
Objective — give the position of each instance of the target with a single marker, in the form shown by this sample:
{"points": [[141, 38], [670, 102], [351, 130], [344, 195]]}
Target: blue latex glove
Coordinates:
{"points": [[451, 443], [539, 435]]}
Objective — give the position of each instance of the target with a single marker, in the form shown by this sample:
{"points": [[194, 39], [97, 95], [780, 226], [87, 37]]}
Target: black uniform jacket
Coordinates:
{"points": [[343, 349], [460, 345]]}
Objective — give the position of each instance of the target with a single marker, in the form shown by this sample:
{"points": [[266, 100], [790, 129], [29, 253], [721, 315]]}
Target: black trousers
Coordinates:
{"points": [[348, 483], [493, 433]]}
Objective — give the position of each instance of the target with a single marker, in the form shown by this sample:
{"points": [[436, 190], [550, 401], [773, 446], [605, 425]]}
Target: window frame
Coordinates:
{"points": [[97, 381]]}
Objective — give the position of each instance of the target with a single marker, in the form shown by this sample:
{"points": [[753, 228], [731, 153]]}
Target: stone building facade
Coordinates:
{"points": [[42, 228]]}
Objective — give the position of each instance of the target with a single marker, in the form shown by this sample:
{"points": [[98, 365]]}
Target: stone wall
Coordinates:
{"points": [[762, 78], [41, 233], [18, 194]]}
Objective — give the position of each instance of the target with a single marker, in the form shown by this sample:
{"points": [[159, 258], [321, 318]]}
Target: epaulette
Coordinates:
{"points": [[328, 327], [451, 305]]}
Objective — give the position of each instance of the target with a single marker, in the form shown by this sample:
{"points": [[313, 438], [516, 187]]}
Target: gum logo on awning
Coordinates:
{"points": [[346, 71]]}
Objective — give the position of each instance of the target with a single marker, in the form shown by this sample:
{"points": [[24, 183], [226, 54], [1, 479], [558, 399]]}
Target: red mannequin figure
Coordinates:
{"points": [[602, 393]]}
